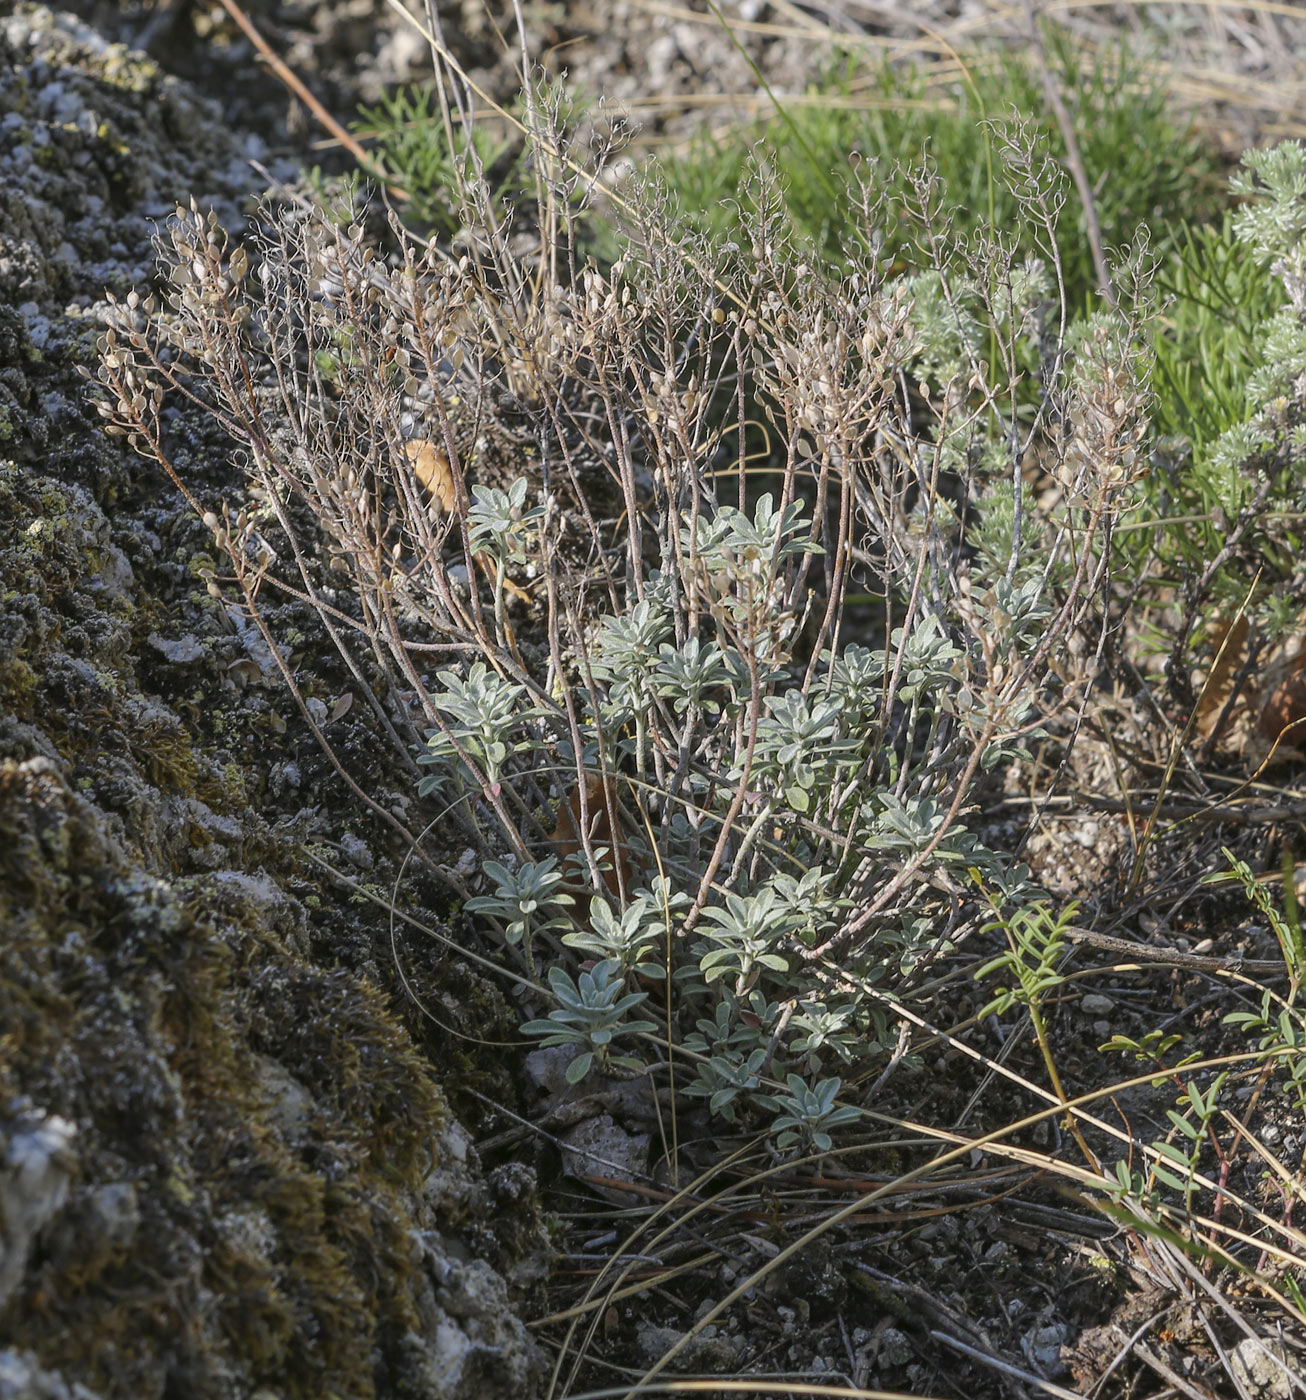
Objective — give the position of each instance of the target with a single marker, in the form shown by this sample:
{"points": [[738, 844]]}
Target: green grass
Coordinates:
{"points": [[408, 147], [1145, 166], [1206, 344], [1206, 338]]}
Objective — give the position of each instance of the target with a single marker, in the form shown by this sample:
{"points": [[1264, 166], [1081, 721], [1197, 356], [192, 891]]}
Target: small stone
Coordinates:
{"points": [[702, 1353], [1095, 1004], [895, 1347], [602, 1153], [22, 1379], [1042, 1345], [1262, 1368], [34, 1178], [181, 652], [355, 850]]}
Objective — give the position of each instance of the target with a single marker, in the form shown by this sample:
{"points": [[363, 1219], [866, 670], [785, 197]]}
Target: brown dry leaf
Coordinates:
{"points": [[431, 467], [341, 708], [565, 838], [1229, 648], [1283, 712], [1268, 724]]}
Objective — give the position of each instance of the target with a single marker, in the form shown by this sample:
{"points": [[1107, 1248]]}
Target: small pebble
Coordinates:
{"points": [[355, 851]]}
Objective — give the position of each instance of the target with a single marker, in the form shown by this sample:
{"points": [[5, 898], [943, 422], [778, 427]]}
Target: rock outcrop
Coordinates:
{"points": [[227, 1169]]}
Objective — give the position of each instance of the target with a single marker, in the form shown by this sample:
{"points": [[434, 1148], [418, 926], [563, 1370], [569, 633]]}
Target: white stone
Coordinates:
{"points": [[1263, 1368]]}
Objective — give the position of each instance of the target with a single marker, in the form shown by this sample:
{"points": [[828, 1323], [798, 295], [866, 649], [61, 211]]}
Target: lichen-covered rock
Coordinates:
{"points": [[22, 1379], [99, 141], [221, 1161], [227, 1169]]}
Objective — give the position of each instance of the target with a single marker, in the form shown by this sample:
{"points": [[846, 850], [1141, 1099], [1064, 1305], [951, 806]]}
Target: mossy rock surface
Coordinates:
{"points": [[228, 1167]]}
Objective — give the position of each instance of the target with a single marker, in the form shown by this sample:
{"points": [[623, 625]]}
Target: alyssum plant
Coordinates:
{"points": [[712, 684]]}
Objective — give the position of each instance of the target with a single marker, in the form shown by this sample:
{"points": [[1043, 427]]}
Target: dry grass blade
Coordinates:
{"points": [[759, 1386]]}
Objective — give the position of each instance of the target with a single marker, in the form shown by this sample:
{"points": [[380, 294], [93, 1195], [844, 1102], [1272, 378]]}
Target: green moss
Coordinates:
{"points": [[167, 755], [106, 135], [200, 565], [138, 1010], [18, 685], [50, 157]]}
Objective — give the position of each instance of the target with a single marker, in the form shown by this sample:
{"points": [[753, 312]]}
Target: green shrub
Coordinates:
{"points": [[795, 556], [774, 815]]}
